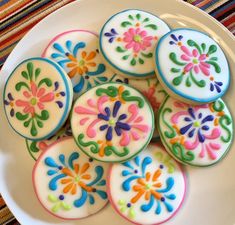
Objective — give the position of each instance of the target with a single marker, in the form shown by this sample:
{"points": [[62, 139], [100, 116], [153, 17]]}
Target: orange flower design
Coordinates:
{"points": [[80, 66], [147, 187], [75, 179]]}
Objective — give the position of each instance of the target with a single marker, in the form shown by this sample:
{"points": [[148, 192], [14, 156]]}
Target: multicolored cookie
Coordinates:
{"points": [[77, 52], [195, 135], [68, 184], [112, 122], [152, 90], [35, 148], [191, 66], [37, 98], [149, 189], [127, 42]]}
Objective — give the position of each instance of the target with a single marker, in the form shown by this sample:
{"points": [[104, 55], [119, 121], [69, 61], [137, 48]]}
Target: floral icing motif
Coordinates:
{"points": [[35, 148], [36, 94], [194, 58], [147, 187], [136, 42], [74, 175], [59, 203], [196, 131]]}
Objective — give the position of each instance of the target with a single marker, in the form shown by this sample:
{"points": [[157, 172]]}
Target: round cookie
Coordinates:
{"points": [[37, 98], [67, 183], [112, 122], [152, 90], [148, 189], [195, 135], [77, 52], [35, 148], [191, 66], [127, 42]]}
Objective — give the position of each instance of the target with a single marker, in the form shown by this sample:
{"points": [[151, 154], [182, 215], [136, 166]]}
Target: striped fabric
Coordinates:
{"points": [[19, 16]]}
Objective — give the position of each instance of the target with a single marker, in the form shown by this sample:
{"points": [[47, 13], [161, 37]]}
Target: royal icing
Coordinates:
{"points": [[127, 42], [195, 135], [37, 98], [191, 66], [148, 189], [112, 122], [77, 52], [152, 90], [35, 148], [67, 183]]}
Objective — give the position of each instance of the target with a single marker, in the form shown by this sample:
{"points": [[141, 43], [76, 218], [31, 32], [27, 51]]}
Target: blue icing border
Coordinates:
{"points": [[67, 101], [179, 93], [113, 65]]}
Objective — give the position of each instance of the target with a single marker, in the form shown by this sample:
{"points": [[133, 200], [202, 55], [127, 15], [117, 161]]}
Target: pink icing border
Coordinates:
{"points": [[172, 215], [62, 34], [35, 189]]}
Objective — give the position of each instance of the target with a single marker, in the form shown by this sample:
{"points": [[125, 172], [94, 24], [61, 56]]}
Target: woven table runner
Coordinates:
{"points": [[18, 16]]}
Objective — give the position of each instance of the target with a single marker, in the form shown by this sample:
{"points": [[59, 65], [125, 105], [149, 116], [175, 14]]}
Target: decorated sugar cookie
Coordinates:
{"points": [[67, 183], [191, 66], [127, 42], [112, 122], [152, 90], [77, 52], [37, 98], [36, 148], [195, 135], [148, 189]]}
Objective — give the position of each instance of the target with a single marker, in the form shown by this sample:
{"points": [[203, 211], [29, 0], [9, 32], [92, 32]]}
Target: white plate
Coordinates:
{"points": [[211, 193]]}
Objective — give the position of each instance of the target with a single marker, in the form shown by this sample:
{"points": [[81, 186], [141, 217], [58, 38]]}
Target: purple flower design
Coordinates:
{"points": [[176, 40], [111, 35], [10, 102], [216, 85], [114, 121], [61, 93], [196, 123]]}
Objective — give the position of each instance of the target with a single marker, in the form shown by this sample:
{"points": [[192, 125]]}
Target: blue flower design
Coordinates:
{"points": [[215, 85], [196, 123], [111, 35], [176, 40], [10, 102], [114, 121]]}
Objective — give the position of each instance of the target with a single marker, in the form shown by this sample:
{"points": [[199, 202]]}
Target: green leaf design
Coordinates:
{"points": [[133, 62], [66, 206], [27, 123], [21, 117], [120, 49], [125, 57], [179, 151], [215, 65], [25, 75], [173, 58], [126, 95], [131, 17], [177, 80], [151, 26], [44, 115], [37, 73], [111, 91], [56, 207], [213, 58], [109, 150], [203, 45], [212, 49], [30, 70], [138, 16], [146, 20], [188, 82], [218, 106], [175, 70], [192, 43], [200, 83], [52, 198], [45, 81], [225, 121], [132, 213], [94, 147], [33, 129], [141, 61], [126, 24], [171, 132], [39, 124], [33, 147], [148, 55], [21, 84]]}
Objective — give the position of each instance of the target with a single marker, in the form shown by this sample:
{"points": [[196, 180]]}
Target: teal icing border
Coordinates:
{"points": [[112, 64], [172, 88], [68, 101]]}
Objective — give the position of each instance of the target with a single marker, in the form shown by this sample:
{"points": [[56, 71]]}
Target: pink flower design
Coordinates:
{"points": [[137, 39], [35, 97], [152, 99], [195, 61]]}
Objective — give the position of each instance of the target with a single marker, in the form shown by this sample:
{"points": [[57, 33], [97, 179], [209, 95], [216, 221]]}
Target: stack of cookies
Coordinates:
{"points": [[112, 117]]}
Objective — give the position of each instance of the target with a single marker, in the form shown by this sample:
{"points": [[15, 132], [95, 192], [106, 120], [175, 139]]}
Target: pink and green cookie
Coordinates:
{"points": [[68, 184], [195, 135], [112, 122], [148, 189]]}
